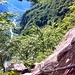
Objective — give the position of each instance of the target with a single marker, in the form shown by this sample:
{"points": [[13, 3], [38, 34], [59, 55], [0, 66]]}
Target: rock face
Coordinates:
{"points": [[62, 62], [18, 67]]}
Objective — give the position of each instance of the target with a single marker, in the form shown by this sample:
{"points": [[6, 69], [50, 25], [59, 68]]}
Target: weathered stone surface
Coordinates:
{"points": [[27, 74], [63, 56], [17, 67]]}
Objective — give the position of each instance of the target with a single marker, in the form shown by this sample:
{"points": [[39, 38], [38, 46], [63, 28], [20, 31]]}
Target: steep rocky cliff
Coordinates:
{"points": [[62, 62]]}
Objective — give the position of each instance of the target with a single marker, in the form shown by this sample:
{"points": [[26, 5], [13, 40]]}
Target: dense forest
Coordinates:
{"points": [[46, 13], [41, 30]]}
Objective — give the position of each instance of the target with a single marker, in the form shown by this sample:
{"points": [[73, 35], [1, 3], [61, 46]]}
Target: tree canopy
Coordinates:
{"points": [[31, 0], [34, 43]]}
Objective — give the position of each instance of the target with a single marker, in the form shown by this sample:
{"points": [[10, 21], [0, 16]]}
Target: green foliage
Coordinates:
{"points": [[28, 46], [11, 73], [5, 24], [69, 21], [37, 1], [32, 29], [46, 13], [34, 44]]}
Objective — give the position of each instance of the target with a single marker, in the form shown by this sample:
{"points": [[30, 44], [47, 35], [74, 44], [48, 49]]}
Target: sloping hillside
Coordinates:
{"points": [[35, 43], [62, 61], [45, 13]]}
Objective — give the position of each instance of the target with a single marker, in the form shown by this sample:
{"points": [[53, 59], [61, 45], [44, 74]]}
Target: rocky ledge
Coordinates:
{"points": [[62, 61]]}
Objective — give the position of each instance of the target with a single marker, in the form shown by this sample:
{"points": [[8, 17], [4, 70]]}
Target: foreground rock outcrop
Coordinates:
{"points": [[20, 68], [62, 61]]}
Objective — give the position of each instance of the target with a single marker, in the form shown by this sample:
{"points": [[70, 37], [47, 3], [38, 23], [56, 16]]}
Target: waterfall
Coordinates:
{"points": [[11, 32], [5, 64], [14, 22]]}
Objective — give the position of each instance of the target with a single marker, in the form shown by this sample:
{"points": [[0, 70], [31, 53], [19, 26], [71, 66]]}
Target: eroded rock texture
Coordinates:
{"points": [[63, 56]]}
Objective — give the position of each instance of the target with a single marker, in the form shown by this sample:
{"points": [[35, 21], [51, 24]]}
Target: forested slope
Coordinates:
{"points": [[45, 13], [36, 43]]}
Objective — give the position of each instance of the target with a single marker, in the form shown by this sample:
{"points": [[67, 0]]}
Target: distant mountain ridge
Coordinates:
{"points": [[3, 8], [15, 6]]}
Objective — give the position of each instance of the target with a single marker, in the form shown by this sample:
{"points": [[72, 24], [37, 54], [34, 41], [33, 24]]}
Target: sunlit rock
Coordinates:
{"points": [[18, 67], [63, 59]]}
